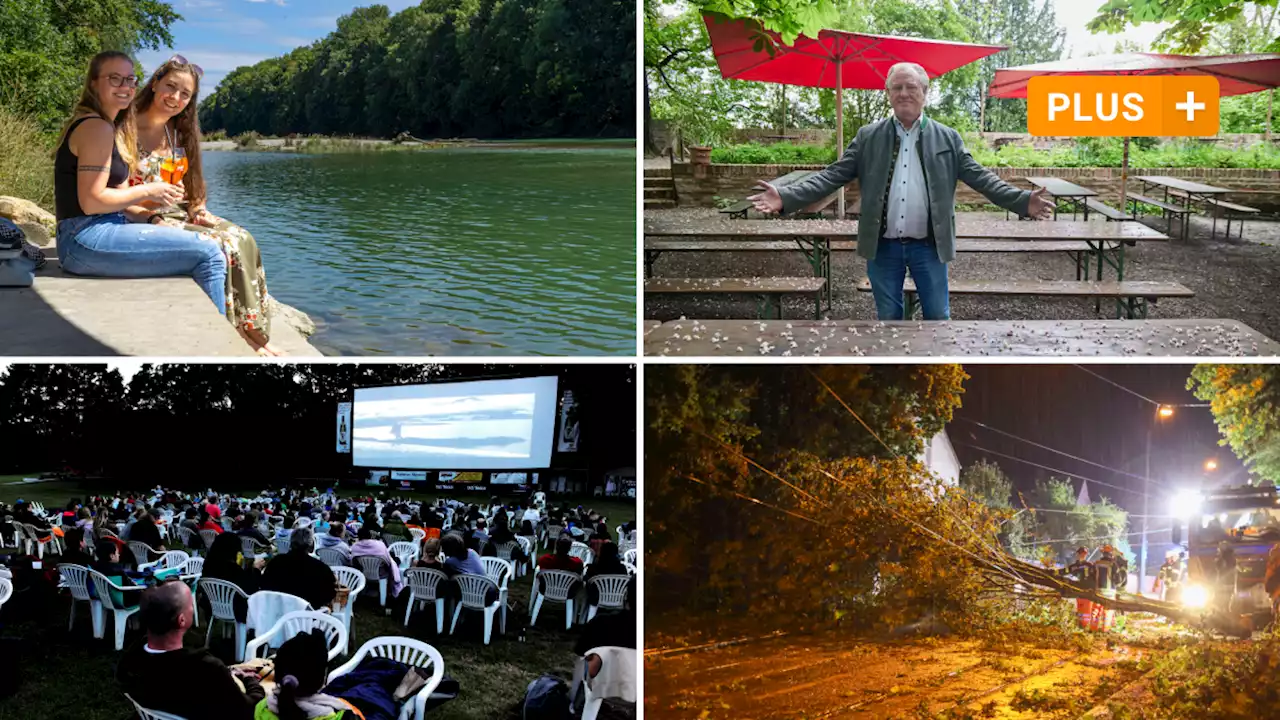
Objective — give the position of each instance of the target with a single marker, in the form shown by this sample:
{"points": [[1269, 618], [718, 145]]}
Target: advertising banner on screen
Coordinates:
{"points": [[377, 478], [415, 475], [569, 429], [344, 427], [510, 478], [454, 480]]}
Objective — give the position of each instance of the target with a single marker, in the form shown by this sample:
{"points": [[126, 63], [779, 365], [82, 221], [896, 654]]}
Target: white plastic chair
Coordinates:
{"points": [[410, 652], [331, 557], [500, 572], [143, 552], [191, 572], [222, 595], [208, 536], [591, 701], [282, 542], [372, 566], [188, 539], [6, 590], [631, 557], [103, 587], [474, 588], [612, 593], [76, 579], [406, 552], [424, 587], [172, 559], [32, 544], [557, 585], [249, 548], [418, 535], [582, 551], [147, 714], [296, 623], [550, 535], [353, 580], [526, 544]]}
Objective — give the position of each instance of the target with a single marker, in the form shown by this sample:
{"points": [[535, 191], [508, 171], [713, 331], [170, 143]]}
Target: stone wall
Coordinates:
{"points": [[1260, 188]]}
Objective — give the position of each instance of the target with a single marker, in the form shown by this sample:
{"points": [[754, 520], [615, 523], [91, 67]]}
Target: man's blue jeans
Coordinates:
{"points": [[111, 246], [888, 270]]}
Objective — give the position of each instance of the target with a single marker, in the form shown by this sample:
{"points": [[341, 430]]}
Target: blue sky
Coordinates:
{"points": [[221, 35]]}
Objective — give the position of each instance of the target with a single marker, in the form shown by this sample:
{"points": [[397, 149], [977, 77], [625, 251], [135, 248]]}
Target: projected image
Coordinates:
{"points": [[485, 424]]}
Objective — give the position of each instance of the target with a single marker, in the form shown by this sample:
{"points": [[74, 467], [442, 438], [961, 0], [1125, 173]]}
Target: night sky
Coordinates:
{"points": [[1067, 409]]}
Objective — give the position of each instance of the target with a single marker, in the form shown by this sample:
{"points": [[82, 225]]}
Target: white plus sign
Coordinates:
{"points": [[1190, 106]]}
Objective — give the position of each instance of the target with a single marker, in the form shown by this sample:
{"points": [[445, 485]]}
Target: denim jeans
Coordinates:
{"points": [[111, 246], [888, 270]]}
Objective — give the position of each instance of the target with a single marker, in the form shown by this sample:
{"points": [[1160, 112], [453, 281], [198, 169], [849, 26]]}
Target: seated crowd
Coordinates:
{"points": [[158, 671]]}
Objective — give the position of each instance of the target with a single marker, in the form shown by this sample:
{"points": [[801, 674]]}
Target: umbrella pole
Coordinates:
{"points": [[1124, 172], [839, 133], [1270, 95]]}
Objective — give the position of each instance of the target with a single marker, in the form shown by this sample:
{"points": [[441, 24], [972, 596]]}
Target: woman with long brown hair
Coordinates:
{"points": [[102, 231], [168, 127]]}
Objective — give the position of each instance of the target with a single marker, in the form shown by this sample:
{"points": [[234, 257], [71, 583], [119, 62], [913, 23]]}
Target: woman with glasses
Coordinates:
{"points": [[169, 150], [100, 230]]}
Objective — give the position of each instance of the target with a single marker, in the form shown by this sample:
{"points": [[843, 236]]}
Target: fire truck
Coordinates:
{"points": [[1239, 521]]}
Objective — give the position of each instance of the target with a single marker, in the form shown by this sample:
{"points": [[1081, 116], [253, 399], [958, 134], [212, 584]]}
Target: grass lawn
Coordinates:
{"points": [[71, 675]]}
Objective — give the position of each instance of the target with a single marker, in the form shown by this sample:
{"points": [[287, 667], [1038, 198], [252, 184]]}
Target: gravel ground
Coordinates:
{"points": [[1236, 279]]}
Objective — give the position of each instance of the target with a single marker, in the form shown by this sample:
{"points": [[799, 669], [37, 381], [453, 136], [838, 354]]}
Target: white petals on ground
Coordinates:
{"points": [[1120, 338]]}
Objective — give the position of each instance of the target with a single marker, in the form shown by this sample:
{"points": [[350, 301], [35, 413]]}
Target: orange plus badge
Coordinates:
{"points": [[1115, 106]]}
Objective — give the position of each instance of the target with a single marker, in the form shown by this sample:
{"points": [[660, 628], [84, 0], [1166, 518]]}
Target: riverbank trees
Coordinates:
{"points": [[445, 68]]}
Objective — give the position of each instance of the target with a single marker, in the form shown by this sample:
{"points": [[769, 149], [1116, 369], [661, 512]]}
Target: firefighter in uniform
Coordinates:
{"points": [[1169, 578], [1224, 593], [1109, 574], [1081, 571]]}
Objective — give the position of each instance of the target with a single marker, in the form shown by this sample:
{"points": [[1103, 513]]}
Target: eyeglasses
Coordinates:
{"points": [[179, 60], [118, 80]]}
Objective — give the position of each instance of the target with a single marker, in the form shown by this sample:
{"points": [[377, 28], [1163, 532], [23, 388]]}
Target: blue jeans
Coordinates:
{"points": [[111, 246], [888, 270]]}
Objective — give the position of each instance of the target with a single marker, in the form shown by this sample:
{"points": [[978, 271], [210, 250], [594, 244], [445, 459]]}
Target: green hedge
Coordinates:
{"points": [[778, 154], [1087, 152]]}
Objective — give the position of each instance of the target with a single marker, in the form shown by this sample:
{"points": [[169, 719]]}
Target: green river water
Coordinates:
{"points": [[520, 251]]}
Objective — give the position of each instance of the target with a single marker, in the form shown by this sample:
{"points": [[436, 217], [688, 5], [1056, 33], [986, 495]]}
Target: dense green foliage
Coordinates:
{"points": [[481, 68], [777, 154], [683, 85], [1245, 401], [839, 534], [1193, 22], [45, 47], [1085, 152], [27, 169]]}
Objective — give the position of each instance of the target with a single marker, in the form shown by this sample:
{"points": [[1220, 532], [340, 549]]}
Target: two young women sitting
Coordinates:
{"points": [[127, 160]]}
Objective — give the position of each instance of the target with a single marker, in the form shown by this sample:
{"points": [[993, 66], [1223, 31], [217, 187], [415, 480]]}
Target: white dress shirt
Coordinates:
{"points": [[908, 211]]}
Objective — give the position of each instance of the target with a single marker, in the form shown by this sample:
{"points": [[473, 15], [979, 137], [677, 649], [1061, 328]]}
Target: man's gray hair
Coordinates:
{"points": [[921, 76], [302, 540]]}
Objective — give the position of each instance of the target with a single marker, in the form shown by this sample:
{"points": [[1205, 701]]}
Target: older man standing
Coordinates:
{"points": [[907, 167]]}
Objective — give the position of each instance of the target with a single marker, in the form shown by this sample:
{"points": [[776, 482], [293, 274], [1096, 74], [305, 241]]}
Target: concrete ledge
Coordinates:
{"points": [[162, 317]]}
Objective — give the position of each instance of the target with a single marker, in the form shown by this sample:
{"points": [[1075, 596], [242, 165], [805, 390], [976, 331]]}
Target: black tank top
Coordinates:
{"points": [[66, 193]]}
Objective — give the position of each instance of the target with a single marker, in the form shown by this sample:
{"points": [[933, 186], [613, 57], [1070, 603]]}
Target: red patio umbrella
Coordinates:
{"points": [[835, 59], [1236, 74]]}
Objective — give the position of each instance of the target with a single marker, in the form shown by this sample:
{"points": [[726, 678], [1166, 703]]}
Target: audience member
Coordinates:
{"points": [[298, 573], [223, 563], [159, 673]]}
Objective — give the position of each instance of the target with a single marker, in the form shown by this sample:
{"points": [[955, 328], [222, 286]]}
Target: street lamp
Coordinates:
{"points": [[1210, 465], [1163, 412]]}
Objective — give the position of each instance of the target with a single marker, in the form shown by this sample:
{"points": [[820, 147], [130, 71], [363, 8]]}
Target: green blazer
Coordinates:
{"points": [[944, 160]]}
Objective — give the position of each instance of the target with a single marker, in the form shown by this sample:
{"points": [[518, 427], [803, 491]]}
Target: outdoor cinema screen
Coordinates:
{"points": [[477, 425]]}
